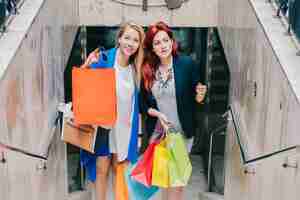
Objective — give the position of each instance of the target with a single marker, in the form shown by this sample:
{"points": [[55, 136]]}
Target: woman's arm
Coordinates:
{"points": [[161, 117], [155, 113], [92, 58]]}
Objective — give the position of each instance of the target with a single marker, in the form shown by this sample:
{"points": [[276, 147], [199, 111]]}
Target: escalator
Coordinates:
{"points": [[218, 80]]}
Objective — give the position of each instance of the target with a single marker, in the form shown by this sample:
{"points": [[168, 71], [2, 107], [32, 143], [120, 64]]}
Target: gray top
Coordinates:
{"points": [[165, 95]]}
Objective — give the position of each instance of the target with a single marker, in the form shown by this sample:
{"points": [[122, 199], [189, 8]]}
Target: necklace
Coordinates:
{"points": [[164, 79]]}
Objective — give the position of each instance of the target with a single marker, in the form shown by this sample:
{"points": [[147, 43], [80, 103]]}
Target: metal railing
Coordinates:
{"points": [[242, 148], [219, 130], [289, 11], [7, 8], [246, 162]]}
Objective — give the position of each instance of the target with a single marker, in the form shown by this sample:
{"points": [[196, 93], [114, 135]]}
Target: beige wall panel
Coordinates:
{"points": [[289, 189], [69, 17], [291, 129], [196, 13], [238, 184], [69, 12], [110, 13], [280, 182], [69, 34], [33, 83], [277, 108], [155, 14], [4, 187], [99, 12], [28, 180], [269, 120], [249, 65], [270, 179], [297, 178], [38, 68], [37, 46], [252, 61]]}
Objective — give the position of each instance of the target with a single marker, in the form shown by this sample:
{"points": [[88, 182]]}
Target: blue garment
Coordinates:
{"points": [[88, 160]]}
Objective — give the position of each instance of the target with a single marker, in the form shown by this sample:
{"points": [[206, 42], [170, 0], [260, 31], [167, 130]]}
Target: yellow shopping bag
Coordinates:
{"points": [[180, 167], [160, 171]]}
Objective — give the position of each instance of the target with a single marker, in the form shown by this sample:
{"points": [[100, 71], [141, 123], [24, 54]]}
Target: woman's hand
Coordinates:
{"points": [[2, 148], [92, 58], [200, 92], [162, 117]]}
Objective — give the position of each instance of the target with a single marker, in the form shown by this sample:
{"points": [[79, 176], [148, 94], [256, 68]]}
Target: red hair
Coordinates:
{"points": [[152, 61]]}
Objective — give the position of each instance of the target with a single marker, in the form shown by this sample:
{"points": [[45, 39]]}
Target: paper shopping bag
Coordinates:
{"points": [[136, 190], [94, 96], [82, 136], [180, 167], [160, 171], [121, 189], [142, 172]]}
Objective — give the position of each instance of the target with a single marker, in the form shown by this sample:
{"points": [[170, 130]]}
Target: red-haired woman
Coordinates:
{"points": [[170, 88]]}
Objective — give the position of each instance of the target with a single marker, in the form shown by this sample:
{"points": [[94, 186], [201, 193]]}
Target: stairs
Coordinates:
{"points": [[210, 196]]}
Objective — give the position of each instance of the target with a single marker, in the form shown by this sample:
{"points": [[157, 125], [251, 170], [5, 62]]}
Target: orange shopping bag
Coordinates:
{"points": [[94, 96], [121, 188]]}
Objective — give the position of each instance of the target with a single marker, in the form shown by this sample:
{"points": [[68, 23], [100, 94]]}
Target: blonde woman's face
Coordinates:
{"points": [[129, 42], [162, 44]]}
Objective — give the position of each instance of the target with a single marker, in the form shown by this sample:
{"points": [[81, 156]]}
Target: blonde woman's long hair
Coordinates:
{"points": [[138, 58]]}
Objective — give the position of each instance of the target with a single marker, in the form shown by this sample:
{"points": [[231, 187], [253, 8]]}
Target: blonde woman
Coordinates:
{"points": [[119, 143]]}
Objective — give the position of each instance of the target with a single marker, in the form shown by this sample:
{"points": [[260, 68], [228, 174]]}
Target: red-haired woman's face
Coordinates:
{"points": [[162, 44], [129, 42]]}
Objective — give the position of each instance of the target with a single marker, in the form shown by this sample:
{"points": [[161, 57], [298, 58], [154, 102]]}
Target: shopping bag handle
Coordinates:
{"points": [[168, 127], [83, 128]]}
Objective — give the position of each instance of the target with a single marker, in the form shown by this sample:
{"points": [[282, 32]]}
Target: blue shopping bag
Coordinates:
{"points": [[138, 191]]}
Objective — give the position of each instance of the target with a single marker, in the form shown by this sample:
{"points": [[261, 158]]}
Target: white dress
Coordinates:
{"points": [[119, 137]]}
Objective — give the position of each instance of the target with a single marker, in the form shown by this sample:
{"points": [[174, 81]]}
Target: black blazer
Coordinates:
{"points": [[186, 75]]}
